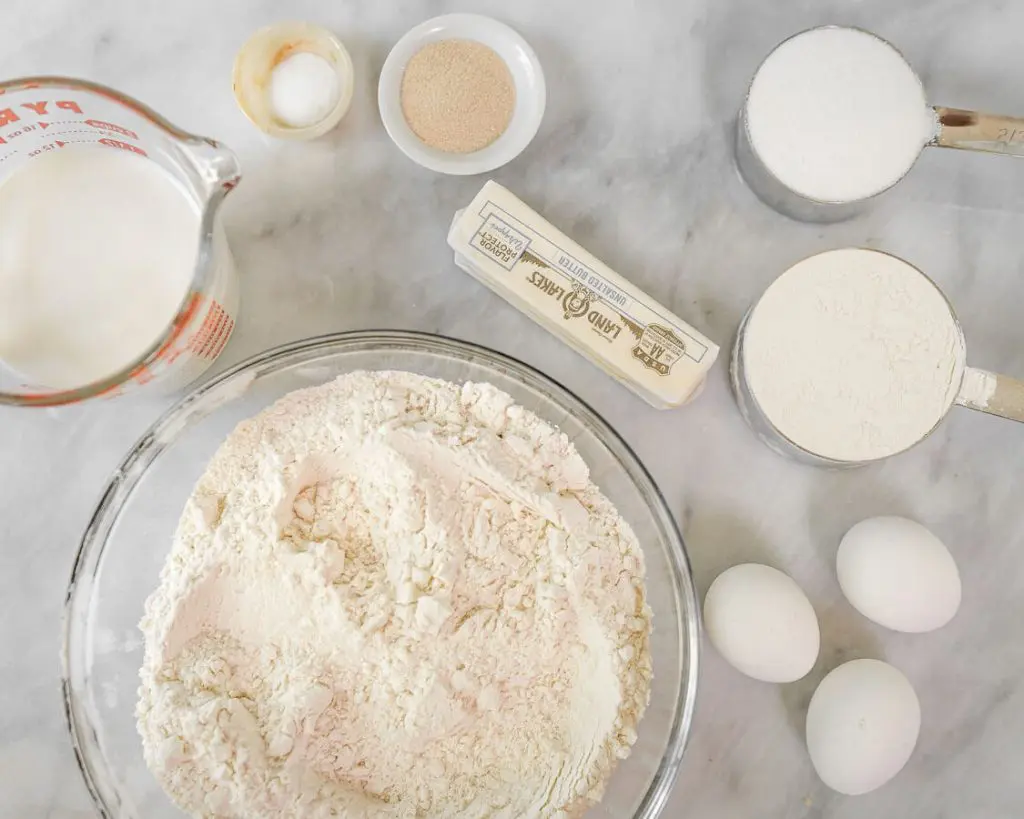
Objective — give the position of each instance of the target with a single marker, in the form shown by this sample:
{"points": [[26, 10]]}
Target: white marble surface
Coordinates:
{"points": [[633, 160]]}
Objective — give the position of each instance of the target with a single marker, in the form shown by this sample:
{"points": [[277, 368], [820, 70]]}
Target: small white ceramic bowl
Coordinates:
{"points": [[522, 62]]}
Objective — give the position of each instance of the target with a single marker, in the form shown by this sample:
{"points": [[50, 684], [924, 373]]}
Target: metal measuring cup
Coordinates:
{"points": [[954, 128], [978, 389], [39, 115]]}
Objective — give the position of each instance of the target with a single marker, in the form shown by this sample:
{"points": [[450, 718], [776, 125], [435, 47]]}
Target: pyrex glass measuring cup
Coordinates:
{"points": [[939, 126], [969, 387], [40, 115]]}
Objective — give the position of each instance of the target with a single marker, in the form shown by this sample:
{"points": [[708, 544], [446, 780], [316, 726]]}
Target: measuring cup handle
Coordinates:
{"points": [[992, 393], [975, 131]]}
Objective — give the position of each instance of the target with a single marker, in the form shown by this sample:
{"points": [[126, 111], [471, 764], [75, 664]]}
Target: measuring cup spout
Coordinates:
{"points": [[975, 131], [216, 165], [992, 393]]}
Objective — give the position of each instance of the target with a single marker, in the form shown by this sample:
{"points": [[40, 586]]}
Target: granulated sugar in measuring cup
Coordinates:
{"points": [[853, 355], [114, 268], [835, 116]]}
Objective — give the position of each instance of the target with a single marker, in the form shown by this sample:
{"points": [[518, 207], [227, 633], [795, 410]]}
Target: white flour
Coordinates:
{"points": [[853, 354], [837, 115], [392, 596]]}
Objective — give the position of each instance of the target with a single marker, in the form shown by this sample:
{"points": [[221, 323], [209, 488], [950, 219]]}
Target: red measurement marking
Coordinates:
{"points": [[222, 340], [8, 116], [109, 126], [209, 340], [213, 341], [124, 146]]}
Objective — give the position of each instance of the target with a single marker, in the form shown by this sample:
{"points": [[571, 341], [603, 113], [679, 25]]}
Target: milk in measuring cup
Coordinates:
{"points": [[98, 247]]}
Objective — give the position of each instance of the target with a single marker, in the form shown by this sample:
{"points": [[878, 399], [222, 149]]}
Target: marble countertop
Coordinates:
{"points": [[634, 161]]}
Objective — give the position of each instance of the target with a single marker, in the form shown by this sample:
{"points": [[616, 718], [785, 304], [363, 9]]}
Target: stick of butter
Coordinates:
{"points": [[562, 287]]}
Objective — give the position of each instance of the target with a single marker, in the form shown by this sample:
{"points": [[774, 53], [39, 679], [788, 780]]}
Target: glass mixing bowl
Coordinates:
{"points": [[124, 547]]}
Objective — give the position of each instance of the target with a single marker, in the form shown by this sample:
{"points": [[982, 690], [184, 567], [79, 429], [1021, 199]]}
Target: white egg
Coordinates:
{"points": [[862, 726], [897, 573], [762, 623]]}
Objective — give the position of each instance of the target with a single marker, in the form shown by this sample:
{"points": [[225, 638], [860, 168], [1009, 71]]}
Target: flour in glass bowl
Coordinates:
{"points": [[393, 596]]}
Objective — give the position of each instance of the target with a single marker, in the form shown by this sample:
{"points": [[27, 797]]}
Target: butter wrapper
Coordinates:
{"points": [[542, 272]]}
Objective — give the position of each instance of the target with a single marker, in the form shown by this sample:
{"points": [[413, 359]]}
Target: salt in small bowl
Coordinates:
{"points": [[272, 45]]}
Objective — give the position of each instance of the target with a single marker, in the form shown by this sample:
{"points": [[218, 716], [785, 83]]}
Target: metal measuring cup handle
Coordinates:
{"points": [[992, 393], [975, 131]]}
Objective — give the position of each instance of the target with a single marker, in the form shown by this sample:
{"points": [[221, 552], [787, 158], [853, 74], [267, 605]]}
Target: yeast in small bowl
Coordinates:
{"points": [[524, 73]]}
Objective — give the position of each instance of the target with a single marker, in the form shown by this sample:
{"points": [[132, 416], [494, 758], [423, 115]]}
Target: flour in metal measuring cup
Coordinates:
{"points": [[853, 355], [97, 250]]}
